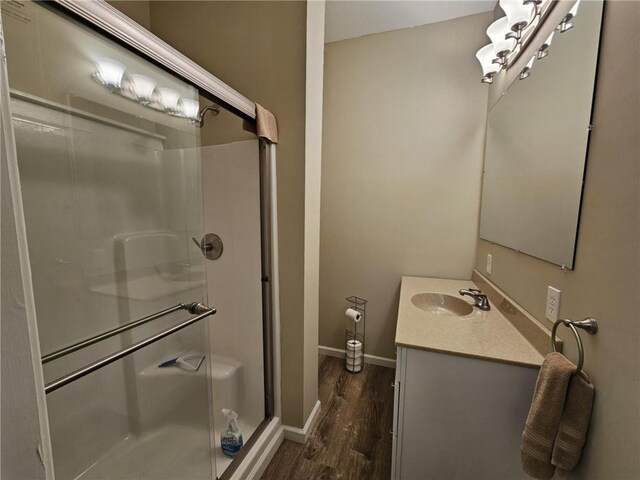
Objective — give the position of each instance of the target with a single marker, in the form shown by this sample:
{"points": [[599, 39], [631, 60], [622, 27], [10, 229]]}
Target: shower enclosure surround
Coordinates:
{"points": [[113, 194]]}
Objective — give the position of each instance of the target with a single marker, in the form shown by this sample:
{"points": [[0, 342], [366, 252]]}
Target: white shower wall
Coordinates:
{"points": [[105, 249], [231, 195]]}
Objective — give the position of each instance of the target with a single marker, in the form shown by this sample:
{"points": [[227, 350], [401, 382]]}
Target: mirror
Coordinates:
{"points": [[536, 147]]}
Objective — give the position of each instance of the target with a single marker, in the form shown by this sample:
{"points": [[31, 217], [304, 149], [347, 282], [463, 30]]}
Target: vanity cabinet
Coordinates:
{"points": [[457, 417]]}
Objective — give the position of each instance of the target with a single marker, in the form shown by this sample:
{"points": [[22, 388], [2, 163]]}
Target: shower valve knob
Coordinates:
{"points": [[211, 246]]}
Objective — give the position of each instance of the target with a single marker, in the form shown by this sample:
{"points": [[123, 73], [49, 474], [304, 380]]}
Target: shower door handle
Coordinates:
{"points": [[211, 246]]}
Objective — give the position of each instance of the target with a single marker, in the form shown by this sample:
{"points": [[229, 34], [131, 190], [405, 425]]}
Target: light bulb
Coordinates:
{"points": [[519, 14], [485, 56], [526, 71], [142, 88], [497, 32], [574, 10], [190, 109], [543, 50], [168, 99], [109, 73], [567, 23]]}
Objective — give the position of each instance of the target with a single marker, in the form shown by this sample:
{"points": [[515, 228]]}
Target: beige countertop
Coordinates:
{"points": [[485, 335]]}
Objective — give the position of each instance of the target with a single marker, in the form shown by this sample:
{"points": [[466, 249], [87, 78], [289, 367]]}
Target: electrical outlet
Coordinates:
{"points": [[553, 303], [489, 263]]}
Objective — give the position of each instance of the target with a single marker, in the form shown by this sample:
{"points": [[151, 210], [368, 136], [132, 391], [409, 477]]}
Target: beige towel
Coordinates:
{"points": [[574, 424], [266, 126], [544, 416]]}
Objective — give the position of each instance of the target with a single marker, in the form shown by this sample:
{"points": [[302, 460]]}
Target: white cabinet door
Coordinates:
{"points": [[460, 418], [397, 412]]}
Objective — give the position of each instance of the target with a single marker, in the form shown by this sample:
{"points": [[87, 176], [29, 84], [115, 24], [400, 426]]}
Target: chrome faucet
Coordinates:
{"points": [[480, 299]]}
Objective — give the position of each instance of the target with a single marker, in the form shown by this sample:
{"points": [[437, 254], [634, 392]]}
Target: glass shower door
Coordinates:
{"points": [[110, 171], [231, 174]]}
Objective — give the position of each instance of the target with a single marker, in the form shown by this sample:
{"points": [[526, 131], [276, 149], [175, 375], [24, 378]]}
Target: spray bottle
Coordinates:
{"points": [[231, 438]]}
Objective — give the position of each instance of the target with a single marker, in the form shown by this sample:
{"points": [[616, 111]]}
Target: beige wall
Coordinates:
{"points": [[137, 10], [259, 49], [403, 136], [606, 279]]}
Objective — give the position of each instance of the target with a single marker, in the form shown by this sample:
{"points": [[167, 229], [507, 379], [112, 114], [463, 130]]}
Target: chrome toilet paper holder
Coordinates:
{"points": [[353, 337]]}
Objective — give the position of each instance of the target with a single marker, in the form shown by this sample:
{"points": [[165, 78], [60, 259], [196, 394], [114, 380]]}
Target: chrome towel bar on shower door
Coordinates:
{"points": [[199, 308], [191, 307]]}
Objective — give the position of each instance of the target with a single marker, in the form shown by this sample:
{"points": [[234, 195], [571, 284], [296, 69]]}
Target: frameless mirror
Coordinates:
{"points": [[536, 147]]}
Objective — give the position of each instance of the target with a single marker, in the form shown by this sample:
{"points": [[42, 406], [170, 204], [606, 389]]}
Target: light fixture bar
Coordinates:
{"points": [[509, 34]]}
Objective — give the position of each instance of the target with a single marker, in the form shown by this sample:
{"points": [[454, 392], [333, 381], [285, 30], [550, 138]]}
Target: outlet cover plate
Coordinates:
{"points": [[489, 263], [553, 303]]}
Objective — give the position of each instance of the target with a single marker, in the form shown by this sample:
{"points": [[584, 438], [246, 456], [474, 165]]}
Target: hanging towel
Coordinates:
{"points": [[574, 423], [266, 126], [544, 416]]}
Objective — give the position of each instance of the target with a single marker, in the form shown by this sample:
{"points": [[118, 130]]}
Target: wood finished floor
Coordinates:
{"points": [[351, 439]]}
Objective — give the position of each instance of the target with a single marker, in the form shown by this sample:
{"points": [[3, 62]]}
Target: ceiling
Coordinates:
{"points": [[355, 18]]}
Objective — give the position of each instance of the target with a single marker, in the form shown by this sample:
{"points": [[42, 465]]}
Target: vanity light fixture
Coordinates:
{"points": [[168, 99], [486, 56], [141, 88], [526, 71], [511, 33], [567, 21], [538, 5], [543, 50], [109, 73], [519, 16], [502, 45]]}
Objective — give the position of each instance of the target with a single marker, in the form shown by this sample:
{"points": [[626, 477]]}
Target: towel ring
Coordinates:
{"points": [[589, 325]]}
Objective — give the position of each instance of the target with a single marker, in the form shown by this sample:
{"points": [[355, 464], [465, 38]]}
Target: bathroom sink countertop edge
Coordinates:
{"points": [[486, 335]]}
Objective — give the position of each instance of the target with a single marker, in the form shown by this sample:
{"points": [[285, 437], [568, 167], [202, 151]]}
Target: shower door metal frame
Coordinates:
{"points": [[112, 24], [109, 21]]}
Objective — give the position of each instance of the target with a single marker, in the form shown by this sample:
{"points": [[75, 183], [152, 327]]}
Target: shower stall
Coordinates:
{"points": [[149, 225]]}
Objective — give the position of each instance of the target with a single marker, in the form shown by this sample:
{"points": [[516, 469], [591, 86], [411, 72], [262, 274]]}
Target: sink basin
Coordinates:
{"points": [[441, 304]]}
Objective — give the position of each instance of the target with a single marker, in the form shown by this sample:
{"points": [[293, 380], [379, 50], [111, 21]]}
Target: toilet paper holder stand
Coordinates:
{"points": [[358, 333]]}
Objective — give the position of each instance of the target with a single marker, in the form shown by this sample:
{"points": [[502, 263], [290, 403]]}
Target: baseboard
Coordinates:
{"points": [[258, 459], [370, 359], [301, 435]]}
